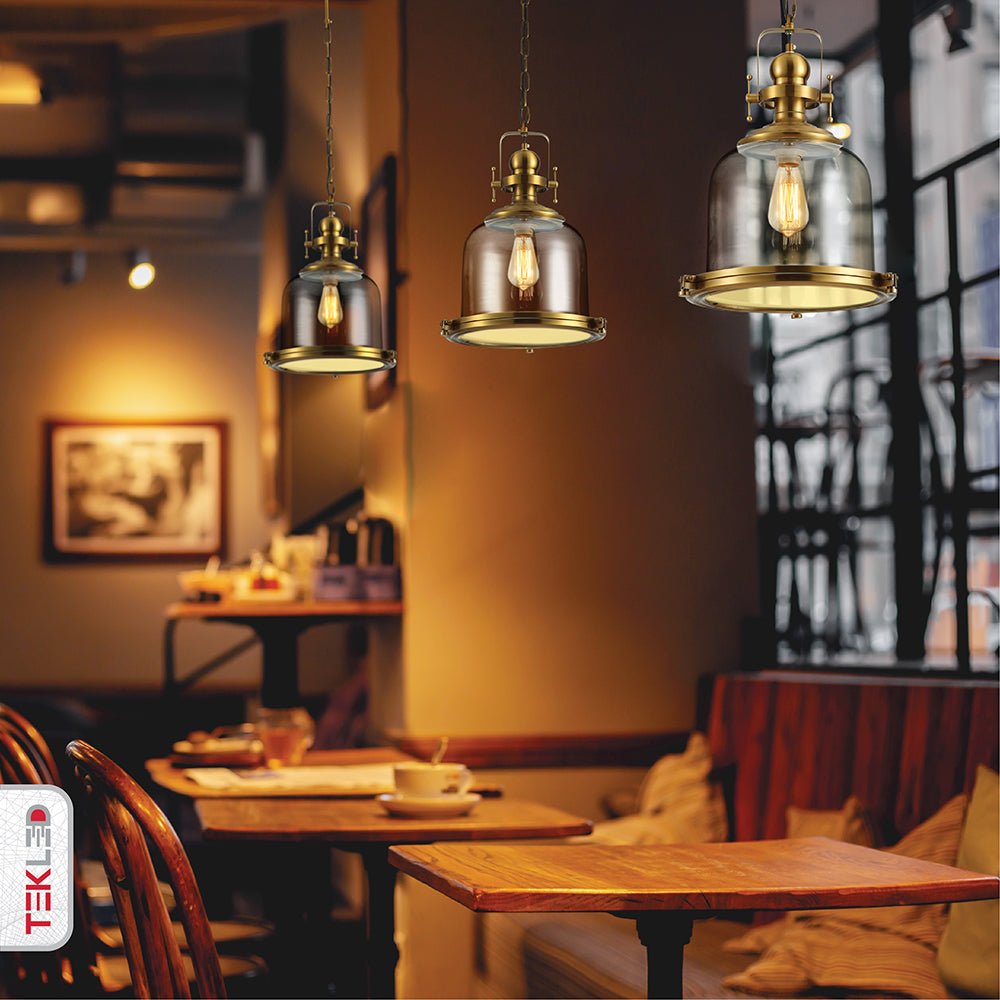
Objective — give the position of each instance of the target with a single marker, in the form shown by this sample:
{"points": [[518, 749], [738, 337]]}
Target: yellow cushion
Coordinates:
{"points": [[677, 803], [889, 949], [851, 823], [969, 955]]}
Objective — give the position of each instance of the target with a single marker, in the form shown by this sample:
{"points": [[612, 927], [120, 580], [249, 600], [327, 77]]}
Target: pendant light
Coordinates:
{"points": [[524, 270], [331, 312], [790, 210]]}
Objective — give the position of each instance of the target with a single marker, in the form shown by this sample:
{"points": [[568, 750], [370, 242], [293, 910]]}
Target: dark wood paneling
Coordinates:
{"points": [[834, 744], [740, 733], [904, 747], [786, 748], [983, 727], [878, 738]]}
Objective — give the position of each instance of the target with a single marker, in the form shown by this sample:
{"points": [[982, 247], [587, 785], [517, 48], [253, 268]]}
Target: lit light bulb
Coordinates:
{"points": [[142, 275], [522, 272], [788, 210], [330, 311]]}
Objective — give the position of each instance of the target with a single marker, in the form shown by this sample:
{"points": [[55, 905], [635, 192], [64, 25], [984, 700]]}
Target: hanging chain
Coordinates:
{"points": [[525, 83], [331, 188], [787, 18]]}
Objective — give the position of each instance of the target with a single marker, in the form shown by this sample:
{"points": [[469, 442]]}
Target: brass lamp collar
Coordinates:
{"points": [[525, 181], [790, 96], [331, 242]]}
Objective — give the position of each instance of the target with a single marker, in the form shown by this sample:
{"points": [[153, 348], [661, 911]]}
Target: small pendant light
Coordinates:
{"points": [[331, 312], [790, 210], [524, 270]]}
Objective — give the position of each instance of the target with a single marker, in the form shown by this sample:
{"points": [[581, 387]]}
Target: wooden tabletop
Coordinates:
{"points": [[364, 821], [811, 873], [169, 773], [237, 610]]}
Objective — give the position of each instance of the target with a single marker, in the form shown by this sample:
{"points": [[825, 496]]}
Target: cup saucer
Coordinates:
{"points": [[421, 807]]}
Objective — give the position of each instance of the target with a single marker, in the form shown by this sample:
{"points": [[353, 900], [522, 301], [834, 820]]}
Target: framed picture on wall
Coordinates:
{"points": [[378, 258], [134, 490]]}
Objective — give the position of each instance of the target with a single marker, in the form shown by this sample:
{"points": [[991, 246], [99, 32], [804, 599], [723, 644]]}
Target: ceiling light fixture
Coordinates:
{"points": [[524, 270], [790, 210], [332, 311], [141, 273]]}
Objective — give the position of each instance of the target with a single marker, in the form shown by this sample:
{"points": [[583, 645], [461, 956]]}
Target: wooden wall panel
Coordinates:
{"points": [[877, 747], [745, 734], [983, 727], [790, 722], [903, 746], [933, 755]]}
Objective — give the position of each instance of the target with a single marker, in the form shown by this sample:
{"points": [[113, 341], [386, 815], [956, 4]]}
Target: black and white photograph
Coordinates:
{"points": [[135, 490]]}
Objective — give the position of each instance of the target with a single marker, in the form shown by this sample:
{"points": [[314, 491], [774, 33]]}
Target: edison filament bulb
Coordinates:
{"points": [[788, 210], [331, 311], [522, 272]]}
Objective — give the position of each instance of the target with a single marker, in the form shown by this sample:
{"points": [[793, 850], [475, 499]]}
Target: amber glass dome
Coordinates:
{"points": [[309, 346], [524, 269], [790, 210], [552, 312], [827, 265]]}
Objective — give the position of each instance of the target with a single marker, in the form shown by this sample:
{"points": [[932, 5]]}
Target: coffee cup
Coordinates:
{"points": [[418, 779]]}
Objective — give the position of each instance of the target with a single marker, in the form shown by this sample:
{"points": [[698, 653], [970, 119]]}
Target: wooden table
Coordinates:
{"points": [[664, 887], [361, 826], [170, 775], [277, 625]]}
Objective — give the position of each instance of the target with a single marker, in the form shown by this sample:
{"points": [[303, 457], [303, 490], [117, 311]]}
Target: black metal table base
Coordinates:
{"points": [[664, 935]]}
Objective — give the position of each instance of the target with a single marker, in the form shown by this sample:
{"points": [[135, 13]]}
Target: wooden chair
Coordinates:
{"points": [[238, 934], [77, 969], [34, 745], [73, 969], [126, 817]]}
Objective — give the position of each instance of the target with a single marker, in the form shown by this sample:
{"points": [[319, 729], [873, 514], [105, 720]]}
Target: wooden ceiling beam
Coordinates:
{"points": [[56, 21]]}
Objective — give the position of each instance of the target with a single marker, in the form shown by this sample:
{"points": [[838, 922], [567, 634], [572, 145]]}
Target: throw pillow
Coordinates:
{"points": [[851, 823], [677, 803], [890, 948], [969, 955]]}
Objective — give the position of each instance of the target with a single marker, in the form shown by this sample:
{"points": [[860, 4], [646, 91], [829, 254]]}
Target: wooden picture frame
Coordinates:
{"points": [[134, 490], [378, 257]]}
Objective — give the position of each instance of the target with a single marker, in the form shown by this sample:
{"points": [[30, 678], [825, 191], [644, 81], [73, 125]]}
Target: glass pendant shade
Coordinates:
{"points": [[790, 234], [331, 314], [524, 287], [790, 209], [348, 337]]}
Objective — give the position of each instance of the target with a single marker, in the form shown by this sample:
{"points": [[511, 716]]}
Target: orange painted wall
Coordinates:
{"points": [[578, 524]]}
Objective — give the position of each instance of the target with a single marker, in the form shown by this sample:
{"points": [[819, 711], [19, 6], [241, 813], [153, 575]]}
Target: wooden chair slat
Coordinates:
{"points": [[129, 823]]}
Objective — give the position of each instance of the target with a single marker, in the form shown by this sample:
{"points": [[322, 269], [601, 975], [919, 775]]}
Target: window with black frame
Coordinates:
{"points": [[832, 396]]}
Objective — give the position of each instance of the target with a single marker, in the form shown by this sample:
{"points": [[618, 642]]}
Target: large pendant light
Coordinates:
{"points": [[331, 312], [524, 270], [790, 209]]}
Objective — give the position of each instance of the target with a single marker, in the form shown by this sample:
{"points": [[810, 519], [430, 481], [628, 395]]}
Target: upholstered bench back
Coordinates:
{"points": [[903, 746]]}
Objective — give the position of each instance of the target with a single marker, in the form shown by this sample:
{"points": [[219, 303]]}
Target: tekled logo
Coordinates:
{"points": [[36, 868]]}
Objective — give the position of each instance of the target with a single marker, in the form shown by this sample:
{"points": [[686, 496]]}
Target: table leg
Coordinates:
{"points": [[169, 658], [280, 680], [664, 935], [382, 953]]}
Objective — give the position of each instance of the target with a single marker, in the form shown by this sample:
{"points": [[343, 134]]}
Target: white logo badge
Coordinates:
{"points": [[36, 868]]}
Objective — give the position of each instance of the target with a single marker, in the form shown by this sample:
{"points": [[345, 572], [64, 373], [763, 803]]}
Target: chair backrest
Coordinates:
{"points": [[16, 765], [72, 969], [33, 742], [126, 818]]}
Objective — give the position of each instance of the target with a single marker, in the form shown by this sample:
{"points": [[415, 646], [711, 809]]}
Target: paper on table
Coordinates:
{"points": [[371, 779]]}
